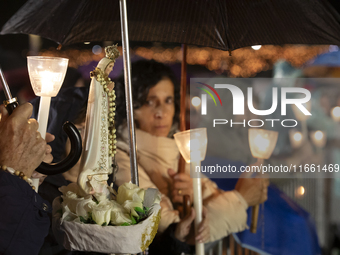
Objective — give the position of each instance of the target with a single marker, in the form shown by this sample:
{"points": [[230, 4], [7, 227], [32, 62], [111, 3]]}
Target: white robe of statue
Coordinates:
{"points": [[95, 162]]}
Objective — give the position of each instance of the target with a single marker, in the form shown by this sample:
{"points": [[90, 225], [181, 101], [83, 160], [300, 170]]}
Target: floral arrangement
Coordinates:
{"points": [[127, 222], [126, 209]]}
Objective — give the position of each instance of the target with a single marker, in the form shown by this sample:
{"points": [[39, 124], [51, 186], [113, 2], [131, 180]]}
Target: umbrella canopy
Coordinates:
{"points": [[221, 24]]}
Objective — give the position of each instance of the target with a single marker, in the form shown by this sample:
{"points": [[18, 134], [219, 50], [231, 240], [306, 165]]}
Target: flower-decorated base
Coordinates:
{"points": [[107, 239]]}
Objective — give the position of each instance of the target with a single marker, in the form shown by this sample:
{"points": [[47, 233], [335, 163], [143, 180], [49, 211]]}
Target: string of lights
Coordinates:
{"points": [[244, 62]]}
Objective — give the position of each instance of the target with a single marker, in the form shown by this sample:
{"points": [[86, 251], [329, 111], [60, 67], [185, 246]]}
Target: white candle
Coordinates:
{"points": [[197, 188], [44, 109]]}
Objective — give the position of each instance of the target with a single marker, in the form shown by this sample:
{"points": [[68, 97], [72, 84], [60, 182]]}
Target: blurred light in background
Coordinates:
{"points": [[333, 48], [196, 101], [335, 113], [256, 47], [87, 42], [299, 192], [295, 138], [318, 138], [97, 49], [244, 62]]}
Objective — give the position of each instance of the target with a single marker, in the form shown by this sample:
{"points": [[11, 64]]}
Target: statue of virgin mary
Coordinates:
{"points": [[99, 145]]}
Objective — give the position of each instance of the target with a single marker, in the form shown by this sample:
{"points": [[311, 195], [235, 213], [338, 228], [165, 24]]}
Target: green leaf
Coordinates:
{"points": [[104, 224], [125, 224], [82, 219], [146, 209], [133, 220], [138, 209]]}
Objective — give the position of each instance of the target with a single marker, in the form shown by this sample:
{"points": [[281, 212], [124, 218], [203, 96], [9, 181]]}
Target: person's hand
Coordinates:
{"points": [[111, 86], [48, 156], [48, 159], [21, 145], [181, 185], [253, 190], [203, 234], [183, 227]]}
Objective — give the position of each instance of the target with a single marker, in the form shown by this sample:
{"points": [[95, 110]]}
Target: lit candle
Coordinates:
{"points": [[47, 75], [192, 144], [262, 143]]}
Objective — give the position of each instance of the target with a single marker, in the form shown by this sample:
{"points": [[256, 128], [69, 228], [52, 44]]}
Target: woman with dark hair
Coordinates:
{"points": [[156, 109], [145, 75]]}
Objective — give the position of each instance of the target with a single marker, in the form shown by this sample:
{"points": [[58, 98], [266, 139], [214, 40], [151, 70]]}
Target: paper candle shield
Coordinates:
{"points": [[262, 142]]}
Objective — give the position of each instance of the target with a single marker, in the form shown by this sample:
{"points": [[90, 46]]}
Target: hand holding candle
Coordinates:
{"points": [[262, 143], [192, 144], [47, 75]]}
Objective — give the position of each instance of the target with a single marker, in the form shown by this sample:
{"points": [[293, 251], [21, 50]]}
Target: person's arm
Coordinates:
{"points": [[23, 218]]}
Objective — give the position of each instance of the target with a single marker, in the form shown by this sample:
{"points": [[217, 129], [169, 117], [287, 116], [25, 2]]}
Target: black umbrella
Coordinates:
{"points": [[221, 24]]}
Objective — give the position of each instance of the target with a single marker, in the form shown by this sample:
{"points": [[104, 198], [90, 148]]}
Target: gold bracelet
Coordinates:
{"points": [[21, 175]]}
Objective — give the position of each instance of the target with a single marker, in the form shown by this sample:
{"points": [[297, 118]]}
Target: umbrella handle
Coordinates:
{"points": [[186, 205], [254, 218], [71, 159]]}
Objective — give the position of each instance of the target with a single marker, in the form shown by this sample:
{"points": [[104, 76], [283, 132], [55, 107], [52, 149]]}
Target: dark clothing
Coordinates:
{"points": [[167, 244], [24, 222], [49, 189]]}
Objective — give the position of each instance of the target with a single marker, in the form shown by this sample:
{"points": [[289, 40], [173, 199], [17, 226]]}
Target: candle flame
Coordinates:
{"points": [[262, 143]]}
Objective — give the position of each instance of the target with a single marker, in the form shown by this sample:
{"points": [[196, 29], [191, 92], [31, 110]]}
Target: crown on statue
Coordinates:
{"points": [[112, 52]]}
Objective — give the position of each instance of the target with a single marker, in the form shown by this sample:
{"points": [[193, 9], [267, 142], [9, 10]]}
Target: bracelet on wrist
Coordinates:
{"points": [[21, 175]]}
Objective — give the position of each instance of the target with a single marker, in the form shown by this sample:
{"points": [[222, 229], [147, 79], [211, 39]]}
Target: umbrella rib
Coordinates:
{"points": [[74, 20], [224, 23]]}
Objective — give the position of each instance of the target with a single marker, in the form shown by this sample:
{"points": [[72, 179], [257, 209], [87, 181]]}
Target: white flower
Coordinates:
{"points": [[126, 191], [68, 215], [101, 212], [118, 218], [70, 197], [84, 207], [119, 214], [130, 205]]}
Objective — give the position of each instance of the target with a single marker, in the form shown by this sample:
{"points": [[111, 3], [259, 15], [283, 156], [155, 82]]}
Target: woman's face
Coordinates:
{"points": [[109, 68], [156, 115]]}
